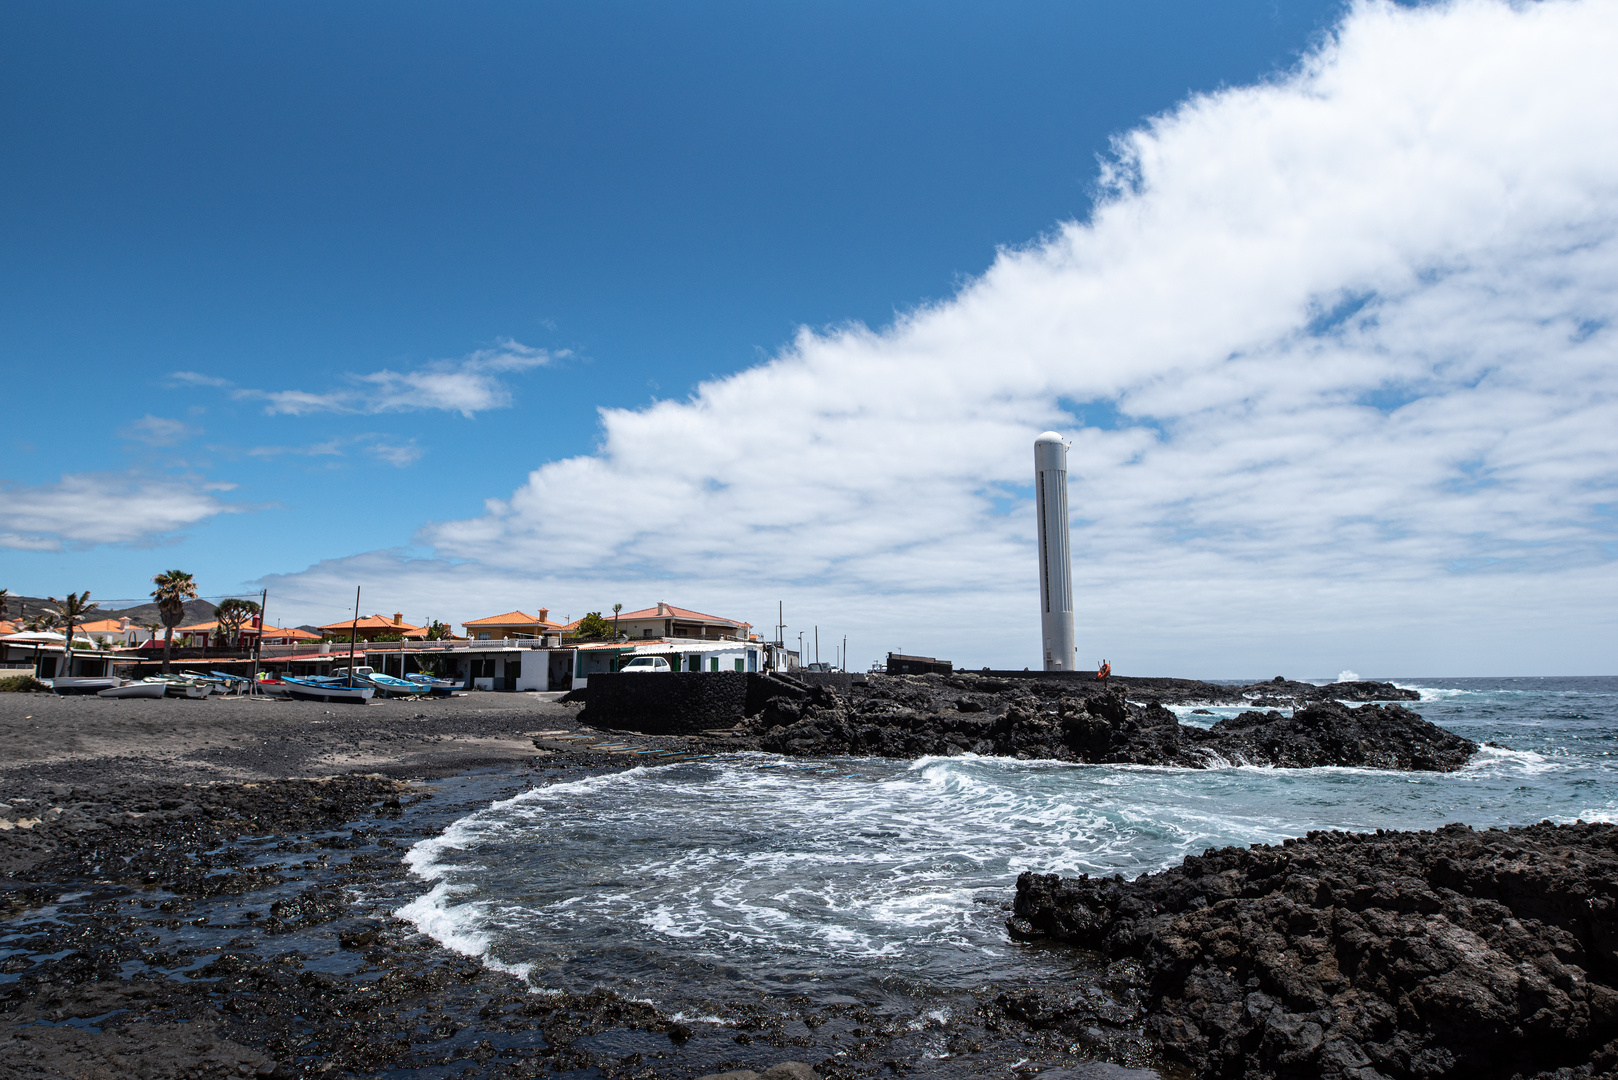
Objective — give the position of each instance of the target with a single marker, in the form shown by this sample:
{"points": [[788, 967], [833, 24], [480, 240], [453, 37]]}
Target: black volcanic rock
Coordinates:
{"points": [[909, 717], [1371, 736], [1396, 955]]}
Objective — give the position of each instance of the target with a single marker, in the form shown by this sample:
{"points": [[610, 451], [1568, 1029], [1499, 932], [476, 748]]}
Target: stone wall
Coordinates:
{"points": [[671, 703]]}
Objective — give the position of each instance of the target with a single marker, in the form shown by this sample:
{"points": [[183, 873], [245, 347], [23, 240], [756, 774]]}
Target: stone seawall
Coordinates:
{"points": [[666, 703]]}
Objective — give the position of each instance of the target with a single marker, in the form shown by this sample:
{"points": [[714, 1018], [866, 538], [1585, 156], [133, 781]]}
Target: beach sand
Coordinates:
{"points": [[50, 739]]}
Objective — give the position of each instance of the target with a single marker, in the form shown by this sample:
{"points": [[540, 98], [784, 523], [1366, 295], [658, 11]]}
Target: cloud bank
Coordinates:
{"points": [[86, 509], [1336, 354]]}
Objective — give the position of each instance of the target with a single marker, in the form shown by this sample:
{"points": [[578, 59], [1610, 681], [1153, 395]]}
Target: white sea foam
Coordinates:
{"points": [[1500, 760], [877, 866], [1348, 676], [1435, 693]]}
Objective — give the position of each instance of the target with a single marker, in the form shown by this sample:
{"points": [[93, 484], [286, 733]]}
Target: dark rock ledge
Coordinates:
{"points": [[924, 716], [1399, 955]]}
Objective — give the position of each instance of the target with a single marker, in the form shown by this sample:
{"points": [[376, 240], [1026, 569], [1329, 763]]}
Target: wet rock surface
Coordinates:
{"points": [[150, 929], [1401, 955], [916, 716]]}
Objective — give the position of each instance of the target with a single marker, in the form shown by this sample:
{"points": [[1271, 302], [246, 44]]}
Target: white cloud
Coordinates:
{"points": [[469, 385], [196, 378], [158, 431], [86, 509], [400, 453], [1345, 344]]}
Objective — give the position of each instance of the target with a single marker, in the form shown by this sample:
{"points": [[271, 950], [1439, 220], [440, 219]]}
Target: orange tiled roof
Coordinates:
{"points": [[373, 622], [247, 628], [511, 618], [198, 628], [101, 626], [669, 611], [287, 631]]}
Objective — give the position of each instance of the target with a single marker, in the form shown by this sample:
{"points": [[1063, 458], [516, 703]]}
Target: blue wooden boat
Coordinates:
{"points": [[310, 690]]}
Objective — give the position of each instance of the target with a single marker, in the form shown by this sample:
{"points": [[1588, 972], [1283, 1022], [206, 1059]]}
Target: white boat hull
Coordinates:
{"points": [[352, 694], [67, 686], [133, 690]]}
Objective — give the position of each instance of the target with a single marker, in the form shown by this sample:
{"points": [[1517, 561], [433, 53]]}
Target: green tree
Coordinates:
{"points": [[174, 588], [5, 603], [72, 611], [437, 631], [594, 628], [233, 614]]}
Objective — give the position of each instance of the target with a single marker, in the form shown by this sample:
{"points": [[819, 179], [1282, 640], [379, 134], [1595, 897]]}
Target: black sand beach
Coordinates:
{"points": [[192, 889]]}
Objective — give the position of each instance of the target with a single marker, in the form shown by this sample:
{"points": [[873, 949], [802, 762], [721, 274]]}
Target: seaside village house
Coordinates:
{"points": [[688, 640], [520, 650], [374, 626], [117, 633], [207, 635], [41, 654]]}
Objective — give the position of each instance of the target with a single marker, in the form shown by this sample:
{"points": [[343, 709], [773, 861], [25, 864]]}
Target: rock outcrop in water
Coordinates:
{"points": [[914, 717], [1401, 955]]}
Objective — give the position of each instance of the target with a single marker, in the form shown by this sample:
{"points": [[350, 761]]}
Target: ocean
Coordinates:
{"points": [[698, 883]]}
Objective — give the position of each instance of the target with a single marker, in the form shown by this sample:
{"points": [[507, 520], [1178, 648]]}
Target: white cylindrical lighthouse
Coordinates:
{"points": [[1055, 556]]}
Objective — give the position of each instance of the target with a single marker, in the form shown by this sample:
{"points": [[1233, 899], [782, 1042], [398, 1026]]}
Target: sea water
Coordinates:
{"points": [[754, 874]]}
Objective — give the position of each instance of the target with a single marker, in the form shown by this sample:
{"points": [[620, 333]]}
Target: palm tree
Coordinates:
{"points": [[174, 588], [5, 603], [70, 611], [233, 614], [616, 608]]}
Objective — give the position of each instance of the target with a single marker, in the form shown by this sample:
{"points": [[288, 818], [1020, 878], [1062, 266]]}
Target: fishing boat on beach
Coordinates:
{"points": [[389, 684], [311, 690], [133, 689], [386, 684], [270, 687], [440, 687], [226, 682], [69, 687], [181, 686]]}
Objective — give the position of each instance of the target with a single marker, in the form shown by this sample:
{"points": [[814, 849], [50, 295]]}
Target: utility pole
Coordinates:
{"points": [[817, 644], [353, 634], [258, 642], [800, 648], [845, 652]]}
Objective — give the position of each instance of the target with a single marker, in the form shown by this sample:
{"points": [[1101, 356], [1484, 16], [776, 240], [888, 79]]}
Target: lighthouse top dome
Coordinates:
{"points": [[1048, 437]]}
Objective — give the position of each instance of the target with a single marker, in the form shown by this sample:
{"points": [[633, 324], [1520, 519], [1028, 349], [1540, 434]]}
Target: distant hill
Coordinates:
{"points": [[20, 607]]}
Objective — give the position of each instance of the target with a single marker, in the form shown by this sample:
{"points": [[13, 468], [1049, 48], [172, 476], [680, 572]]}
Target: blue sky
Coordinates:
{"points": [[301, 288]]}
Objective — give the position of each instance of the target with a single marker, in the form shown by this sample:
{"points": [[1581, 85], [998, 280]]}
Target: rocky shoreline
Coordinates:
{"points": [[1399, 954], [1105, 724], [156, 930], [178, 902]]}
